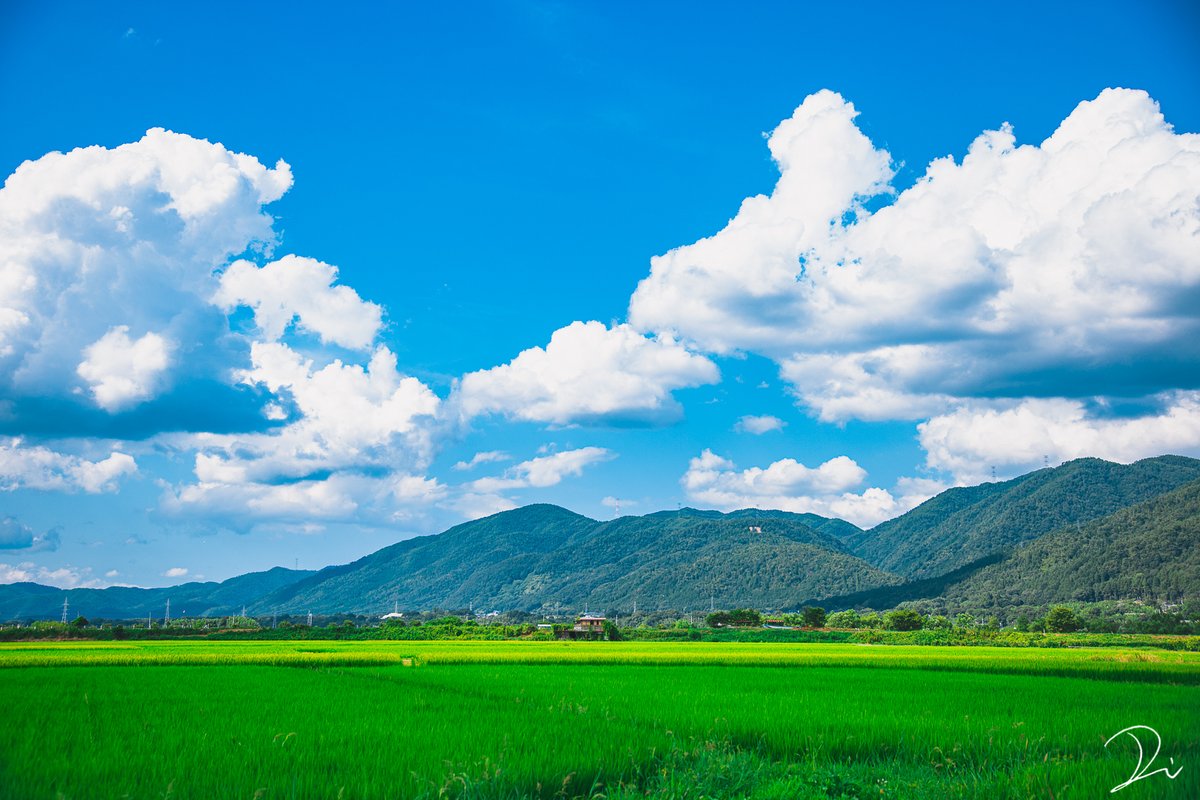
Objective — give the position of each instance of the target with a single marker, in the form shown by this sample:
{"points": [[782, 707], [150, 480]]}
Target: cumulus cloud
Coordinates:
{"points": [[1015, 437], [358, 434], [1069, 268], [300, 289], [107, 263], [788, 485], [588, 372], [121, 371], [340, 496], [175, 572], [544, 471], [62, 577], [36, 467], [759, 425]]}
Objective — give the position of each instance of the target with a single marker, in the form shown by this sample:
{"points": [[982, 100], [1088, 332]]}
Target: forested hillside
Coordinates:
{"points": [[963, 525], [547, 558], [1149, 552]]}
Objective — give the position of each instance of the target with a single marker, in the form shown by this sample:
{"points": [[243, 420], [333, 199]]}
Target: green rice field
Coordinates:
{"points": [[474, 719]]}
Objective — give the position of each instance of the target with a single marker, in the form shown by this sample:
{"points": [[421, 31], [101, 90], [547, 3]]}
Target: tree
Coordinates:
{"points": [[844, 619], [903, 619], [814, 616], [79, 622], [611, 632], [1022, 623], [745, 617], [1062, 620], [938, 622]]}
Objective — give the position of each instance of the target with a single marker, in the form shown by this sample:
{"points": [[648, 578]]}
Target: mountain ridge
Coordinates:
{"points": [[548, 559]]}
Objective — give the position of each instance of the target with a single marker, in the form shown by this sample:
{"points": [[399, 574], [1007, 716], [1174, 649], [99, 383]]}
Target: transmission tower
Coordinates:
{"points": [[167, 618], [65, 606]]}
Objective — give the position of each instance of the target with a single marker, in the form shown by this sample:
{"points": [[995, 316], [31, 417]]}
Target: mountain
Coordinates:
{"points": [[964, 525], [1088, 529], [197, 599], [543, 557], [1149, 551]]}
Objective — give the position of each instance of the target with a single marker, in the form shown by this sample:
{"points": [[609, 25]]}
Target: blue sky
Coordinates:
{"points": [[462, 184]]}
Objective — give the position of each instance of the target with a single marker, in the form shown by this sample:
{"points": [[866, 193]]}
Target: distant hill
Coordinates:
{"points": [[1150, 551], [197, 599], [965, 525], [542, 557], [1088, 529]]}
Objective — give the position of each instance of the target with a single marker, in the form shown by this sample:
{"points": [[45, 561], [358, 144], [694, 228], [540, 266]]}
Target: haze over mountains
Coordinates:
{"points": [[1086, 530]]}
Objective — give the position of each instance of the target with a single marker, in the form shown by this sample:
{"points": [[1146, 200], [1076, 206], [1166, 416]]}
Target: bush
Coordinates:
{"points": [[902, 619]]}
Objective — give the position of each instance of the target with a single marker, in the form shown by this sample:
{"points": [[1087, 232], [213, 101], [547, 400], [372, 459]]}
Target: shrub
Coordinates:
{"points": [[902, 619]]}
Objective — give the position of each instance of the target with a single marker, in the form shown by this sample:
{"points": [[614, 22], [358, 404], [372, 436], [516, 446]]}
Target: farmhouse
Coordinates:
{"points": [[588, 626]]}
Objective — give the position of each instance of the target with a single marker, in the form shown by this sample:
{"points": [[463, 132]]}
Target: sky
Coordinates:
{"points": [[281, 284]]}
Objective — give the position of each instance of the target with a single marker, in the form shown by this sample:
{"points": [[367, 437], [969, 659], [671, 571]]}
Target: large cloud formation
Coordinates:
{"points": [[1069, 269], [1063, 269], [108, 259]]}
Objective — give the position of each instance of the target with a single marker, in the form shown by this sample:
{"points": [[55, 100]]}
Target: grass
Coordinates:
{"points": [[520, 719]]}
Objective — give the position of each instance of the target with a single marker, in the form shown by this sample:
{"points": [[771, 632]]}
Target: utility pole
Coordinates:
{"points": [[65, 606]]}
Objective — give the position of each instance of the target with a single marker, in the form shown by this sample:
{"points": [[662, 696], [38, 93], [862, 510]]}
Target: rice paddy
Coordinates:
{"points": [[308, 719]]}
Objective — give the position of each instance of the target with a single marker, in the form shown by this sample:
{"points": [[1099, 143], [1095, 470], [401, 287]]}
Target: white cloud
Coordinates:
{"points": [[121, 371], [588, 373], [25, 467], [788, 485], [759, 425], [1068, 268], [63, 577], [97, 243], [341, 496], [543, 471], [1015, 437], [349, 417], [301, 289], [486, 457], [349, 454], [617, 502], [175, 572]]}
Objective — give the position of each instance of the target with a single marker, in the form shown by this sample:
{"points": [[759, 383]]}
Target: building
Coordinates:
{"points": [[588, 626]]}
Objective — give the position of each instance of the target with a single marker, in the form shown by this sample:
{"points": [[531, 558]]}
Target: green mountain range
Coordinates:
{"points": [[196, 599], [1149, 551], [963, 525], [1086, 530], [545, 558]]}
